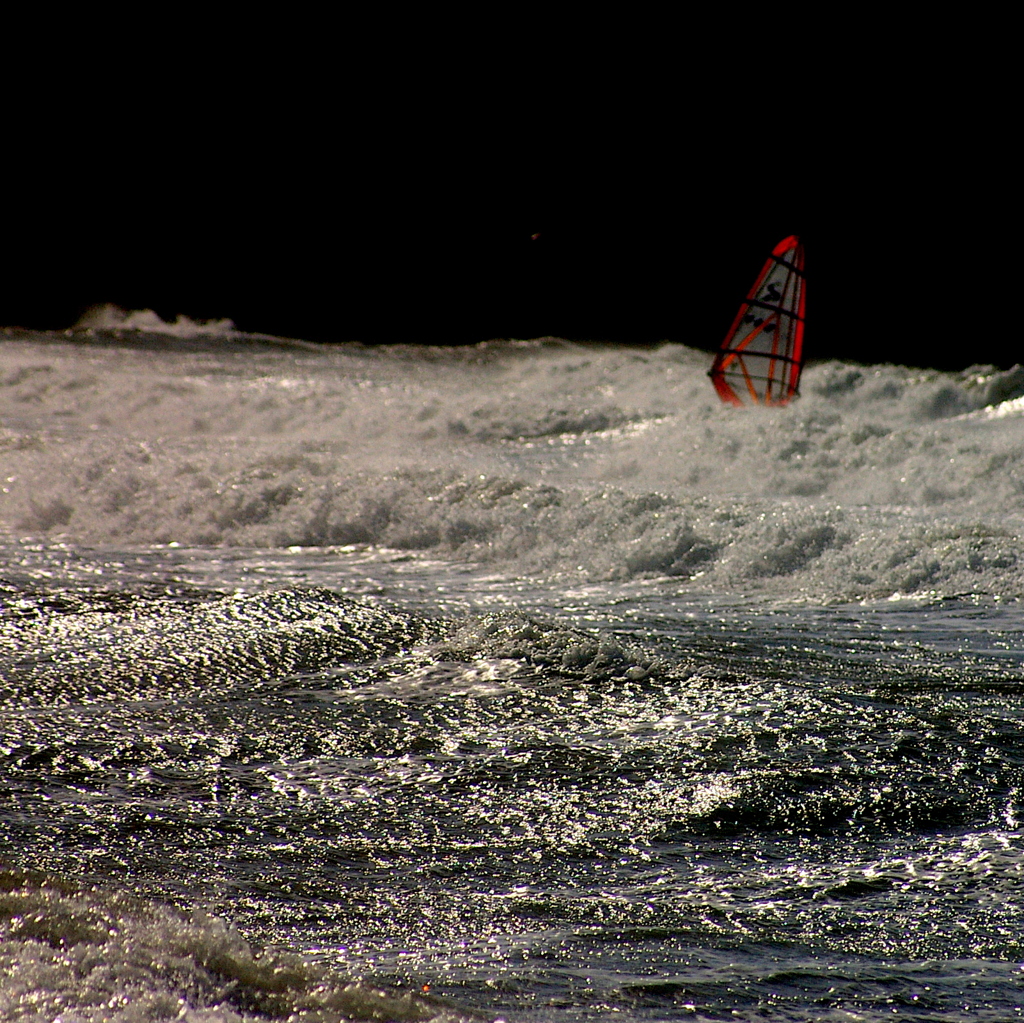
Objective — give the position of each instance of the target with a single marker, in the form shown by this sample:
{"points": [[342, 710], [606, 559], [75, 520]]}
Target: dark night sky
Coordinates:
{"points": [[349, 221]]}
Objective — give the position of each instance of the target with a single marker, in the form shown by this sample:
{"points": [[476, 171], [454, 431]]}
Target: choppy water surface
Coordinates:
{"points": [[519, 682]]}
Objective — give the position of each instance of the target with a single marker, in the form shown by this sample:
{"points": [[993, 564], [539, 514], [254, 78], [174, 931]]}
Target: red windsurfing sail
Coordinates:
{"points": [[760, 359]]}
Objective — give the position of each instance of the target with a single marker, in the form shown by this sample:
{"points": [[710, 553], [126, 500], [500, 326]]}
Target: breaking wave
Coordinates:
{"points": [[545, 458]]}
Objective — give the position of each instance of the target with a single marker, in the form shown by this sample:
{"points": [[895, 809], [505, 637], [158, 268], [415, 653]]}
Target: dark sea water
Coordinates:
{"points": [[518, 682]]}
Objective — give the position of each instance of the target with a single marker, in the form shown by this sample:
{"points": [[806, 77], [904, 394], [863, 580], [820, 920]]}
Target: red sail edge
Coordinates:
{"points": [[760, 359]]}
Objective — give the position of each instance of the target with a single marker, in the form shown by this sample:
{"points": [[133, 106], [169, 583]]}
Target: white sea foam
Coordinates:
{"points": [[80, 955], [542, 458], [1003, 410]]}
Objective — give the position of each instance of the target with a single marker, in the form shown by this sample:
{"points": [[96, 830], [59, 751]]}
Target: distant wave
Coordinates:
{"points": [[111, 317]]}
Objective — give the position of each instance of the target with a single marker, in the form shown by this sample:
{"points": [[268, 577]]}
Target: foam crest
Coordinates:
{"points": [[81, 954]]}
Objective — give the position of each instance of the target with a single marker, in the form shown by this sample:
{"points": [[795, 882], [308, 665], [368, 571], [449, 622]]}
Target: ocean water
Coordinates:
{"points": [[522, 681]]}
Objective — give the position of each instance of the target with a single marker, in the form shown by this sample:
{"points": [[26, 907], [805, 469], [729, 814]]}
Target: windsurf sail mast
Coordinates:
{"points": [[761, 357]]}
